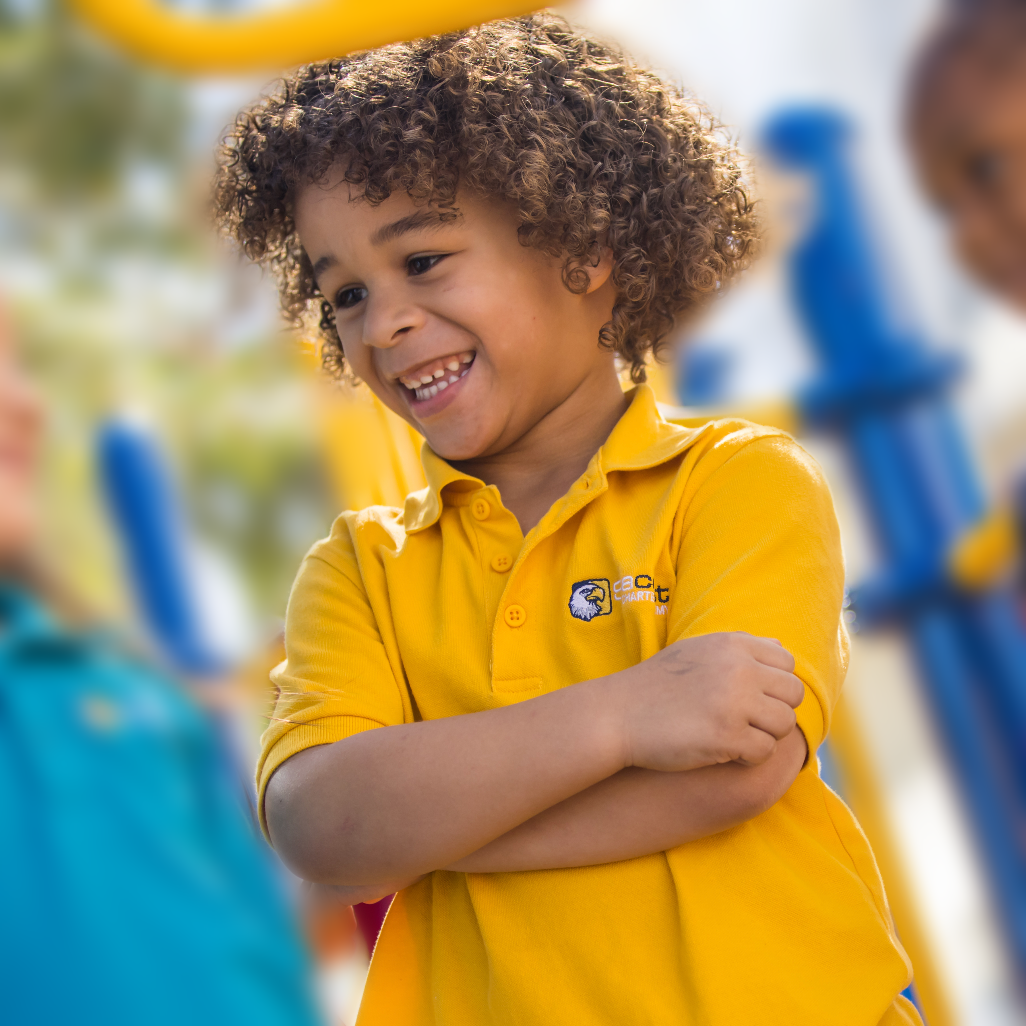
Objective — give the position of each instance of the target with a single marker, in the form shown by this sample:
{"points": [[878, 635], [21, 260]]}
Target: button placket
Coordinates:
{"points": [[494, 529]]}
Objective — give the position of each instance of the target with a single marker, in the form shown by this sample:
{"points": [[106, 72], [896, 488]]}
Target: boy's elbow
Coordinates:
{"points": [[768, 783], [296, 833]]}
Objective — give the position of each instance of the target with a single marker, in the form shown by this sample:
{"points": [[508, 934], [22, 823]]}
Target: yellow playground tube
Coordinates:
{"points": [[316, 30]]}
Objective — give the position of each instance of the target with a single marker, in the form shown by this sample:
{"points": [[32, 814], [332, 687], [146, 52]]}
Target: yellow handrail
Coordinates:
{"points": [[318, 29]]}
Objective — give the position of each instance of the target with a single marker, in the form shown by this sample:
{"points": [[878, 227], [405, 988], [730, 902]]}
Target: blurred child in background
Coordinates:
{"points": [[967, 128], [135, 890], [967, 125]]}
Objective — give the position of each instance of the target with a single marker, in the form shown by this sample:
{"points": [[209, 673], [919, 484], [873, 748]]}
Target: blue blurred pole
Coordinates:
{"points": [[885, 393], [146, 510]]}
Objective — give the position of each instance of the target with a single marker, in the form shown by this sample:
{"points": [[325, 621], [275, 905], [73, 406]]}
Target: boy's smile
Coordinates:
{"points": [[470, 336], [433, 378]]}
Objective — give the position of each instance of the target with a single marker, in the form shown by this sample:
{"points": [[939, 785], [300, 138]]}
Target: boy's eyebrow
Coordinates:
{"points": [[323, 264], [410, 223], [388, 232]]}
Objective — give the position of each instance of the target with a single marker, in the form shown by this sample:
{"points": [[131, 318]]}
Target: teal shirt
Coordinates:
{"points": [[135, 889]]}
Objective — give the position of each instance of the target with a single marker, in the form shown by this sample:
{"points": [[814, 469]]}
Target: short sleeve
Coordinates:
{"points": [[760, 552], [337, 679]]}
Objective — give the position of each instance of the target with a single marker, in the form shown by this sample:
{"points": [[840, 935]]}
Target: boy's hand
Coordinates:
{"points": [[711, 699]]}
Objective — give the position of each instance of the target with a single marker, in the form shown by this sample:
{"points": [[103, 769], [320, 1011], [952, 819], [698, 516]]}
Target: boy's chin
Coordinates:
{"points": [[456, 442], [456, 450]]}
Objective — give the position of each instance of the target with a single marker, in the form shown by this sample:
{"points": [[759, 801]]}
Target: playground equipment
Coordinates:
{"points": [[317, 30], [885, 394], [146, 509]]}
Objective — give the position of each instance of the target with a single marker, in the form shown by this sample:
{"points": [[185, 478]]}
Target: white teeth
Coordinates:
{"points": [[427, 386]]}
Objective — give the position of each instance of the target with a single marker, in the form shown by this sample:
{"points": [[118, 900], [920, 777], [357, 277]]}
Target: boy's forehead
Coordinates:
{"points": [[333, 193], [333, 214]]}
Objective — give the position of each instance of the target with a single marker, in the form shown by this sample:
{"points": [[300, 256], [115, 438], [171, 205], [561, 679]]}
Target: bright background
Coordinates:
{"points": [[125, 303]]}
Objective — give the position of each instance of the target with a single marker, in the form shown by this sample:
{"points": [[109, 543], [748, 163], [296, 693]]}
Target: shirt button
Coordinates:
{"points": [[480, 509], [500, 564], [515, 616]]}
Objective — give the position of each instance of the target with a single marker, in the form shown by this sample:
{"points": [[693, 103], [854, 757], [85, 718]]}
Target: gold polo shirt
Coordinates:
{"points": [[445, 607]]}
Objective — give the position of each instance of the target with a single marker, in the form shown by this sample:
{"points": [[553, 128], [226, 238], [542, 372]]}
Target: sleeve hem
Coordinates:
{"points": [[323, 731], [811, 721]]}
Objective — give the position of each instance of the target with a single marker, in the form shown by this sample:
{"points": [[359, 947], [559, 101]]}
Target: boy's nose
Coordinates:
{"points": [[385, 323]]}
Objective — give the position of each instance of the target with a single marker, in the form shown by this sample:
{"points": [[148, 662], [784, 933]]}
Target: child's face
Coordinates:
{"points": [[969, 140], [464, 332]]}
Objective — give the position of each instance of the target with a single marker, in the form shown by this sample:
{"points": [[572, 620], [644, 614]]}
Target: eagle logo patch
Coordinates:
{"points": [[589, 599]]}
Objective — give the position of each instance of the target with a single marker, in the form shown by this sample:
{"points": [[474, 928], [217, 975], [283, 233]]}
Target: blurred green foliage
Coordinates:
{"points": [[123, 300], [73, 111]]}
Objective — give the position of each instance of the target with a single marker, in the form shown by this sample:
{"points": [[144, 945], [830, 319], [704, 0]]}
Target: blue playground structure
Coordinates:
{"points": [[146, 509], [886, 395]]}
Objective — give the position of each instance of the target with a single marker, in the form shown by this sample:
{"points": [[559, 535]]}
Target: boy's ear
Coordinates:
{"points": [[598, 270]]}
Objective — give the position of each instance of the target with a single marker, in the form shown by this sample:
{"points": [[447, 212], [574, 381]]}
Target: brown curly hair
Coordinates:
{"points": [[592, 149]]}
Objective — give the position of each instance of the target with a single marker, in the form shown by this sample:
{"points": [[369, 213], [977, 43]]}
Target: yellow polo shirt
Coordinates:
{"points": [[444, 608]]}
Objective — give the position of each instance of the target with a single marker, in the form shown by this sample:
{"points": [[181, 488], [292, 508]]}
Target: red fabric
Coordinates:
{"points": [[369, 917]]}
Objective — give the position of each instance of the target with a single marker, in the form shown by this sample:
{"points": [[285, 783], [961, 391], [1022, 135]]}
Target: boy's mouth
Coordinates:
{"points": [[426, 381]]}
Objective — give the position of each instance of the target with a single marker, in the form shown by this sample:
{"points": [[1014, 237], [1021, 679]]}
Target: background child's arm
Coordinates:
{"points": [[638, 812], [387, 805]]}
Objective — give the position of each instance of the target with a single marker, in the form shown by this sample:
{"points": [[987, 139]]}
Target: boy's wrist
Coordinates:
{"points": [[609, 695]]}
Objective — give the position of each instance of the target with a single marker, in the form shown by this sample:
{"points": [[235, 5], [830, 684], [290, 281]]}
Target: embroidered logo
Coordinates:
{"points": [[642, 588], [589, 599]]}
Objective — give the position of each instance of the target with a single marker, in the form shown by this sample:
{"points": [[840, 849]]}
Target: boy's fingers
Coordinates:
{"points": [[770, 652], [756, 747], [774, 717], [785, 687]]}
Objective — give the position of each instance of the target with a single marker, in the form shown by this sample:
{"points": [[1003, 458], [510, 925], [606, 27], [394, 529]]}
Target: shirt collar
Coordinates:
{"points": [[642, 438]]}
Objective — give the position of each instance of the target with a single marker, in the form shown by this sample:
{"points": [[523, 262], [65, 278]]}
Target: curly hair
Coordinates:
{"points": [[592, 149]]}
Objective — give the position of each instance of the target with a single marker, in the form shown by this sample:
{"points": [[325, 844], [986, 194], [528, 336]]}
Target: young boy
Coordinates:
{"points": [[551, 701]]}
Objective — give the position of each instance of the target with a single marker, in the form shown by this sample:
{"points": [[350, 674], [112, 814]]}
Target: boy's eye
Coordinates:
{"points": [[350, 296], [422, 264]]}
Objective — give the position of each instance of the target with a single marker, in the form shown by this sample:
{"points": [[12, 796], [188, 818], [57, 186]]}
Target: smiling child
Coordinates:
{"points": [[567, 700]]}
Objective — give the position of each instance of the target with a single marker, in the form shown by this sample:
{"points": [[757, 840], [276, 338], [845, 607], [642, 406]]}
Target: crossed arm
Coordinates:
{"points": [[692, 741]]}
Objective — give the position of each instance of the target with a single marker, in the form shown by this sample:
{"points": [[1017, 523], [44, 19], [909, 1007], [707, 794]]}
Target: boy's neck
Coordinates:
{"points": [[541, 465]]}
